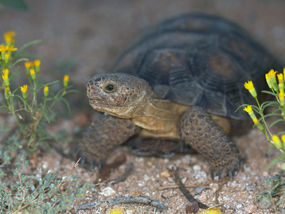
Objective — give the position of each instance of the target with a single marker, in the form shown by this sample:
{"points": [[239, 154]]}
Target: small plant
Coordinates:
{"points": [[33, 110], [275, 185], [275, 188], [277, 90], [39, 194], [32, 107]]}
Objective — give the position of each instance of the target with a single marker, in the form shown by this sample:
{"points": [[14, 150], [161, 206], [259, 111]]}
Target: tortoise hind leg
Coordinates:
{"points": [[198, 130]]}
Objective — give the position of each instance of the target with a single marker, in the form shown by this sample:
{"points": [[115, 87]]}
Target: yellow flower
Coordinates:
{"points": [[283, 138], [280, 77], [276, 141], [117, 210], [9, 37], [6, 94], [272, 73], [268, 80], [2, 48], [65, 80], [213, 210], [5, 77], [250, 87], [24, 91], [281, 95], [33, 74], [257, 123], [6, 55], [28, 64], [248, 109], [7, 89], [10, 49], [37, 62], [255, 120], [24, 88], [6, 71], [46, 91]]}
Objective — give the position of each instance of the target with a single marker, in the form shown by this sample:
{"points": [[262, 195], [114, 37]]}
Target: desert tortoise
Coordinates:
{"points": [[183, 80]]}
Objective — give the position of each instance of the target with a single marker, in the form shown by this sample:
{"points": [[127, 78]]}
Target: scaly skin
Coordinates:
{"points": [[102, 137], [198, 130]]}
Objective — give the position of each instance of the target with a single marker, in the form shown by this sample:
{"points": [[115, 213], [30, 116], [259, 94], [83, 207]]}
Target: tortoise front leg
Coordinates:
{"points": [[198, 130], [102, 137]]}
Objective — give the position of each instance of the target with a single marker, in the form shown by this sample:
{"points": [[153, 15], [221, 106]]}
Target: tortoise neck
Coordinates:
{"points": [[159, 115]]}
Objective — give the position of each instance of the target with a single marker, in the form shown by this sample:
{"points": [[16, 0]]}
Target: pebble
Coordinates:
{"points": [[239, 206], [265, 174], [197, 168], [229, 211], [203, 198], [251, 188], [251, 209], [107, 191]]}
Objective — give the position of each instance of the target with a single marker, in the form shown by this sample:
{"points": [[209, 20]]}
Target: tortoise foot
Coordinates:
{"points": [[231, 169]]}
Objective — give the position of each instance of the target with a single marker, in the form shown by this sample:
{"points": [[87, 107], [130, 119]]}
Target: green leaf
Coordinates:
{"points": [[51, 83], [268, 92], [275, 161], [271, 147], [67, 105], [46, 117], [276, 121], [19, 60], [27, 45], [15, 4], [279, 202]]}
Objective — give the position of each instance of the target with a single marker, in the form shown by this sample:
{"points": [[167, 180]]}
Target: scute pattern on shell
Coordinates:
{"points": [[200, 60]]}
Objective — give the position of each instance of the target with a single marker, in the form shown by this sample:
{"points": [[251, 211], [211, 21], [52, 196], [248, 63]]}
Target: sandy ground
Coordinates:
{"points": [[91, 35]]}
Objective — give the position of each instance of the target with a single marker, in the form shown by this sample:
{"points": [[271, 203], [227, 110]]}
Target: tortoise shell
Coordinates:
{"points": [[201, 60]]}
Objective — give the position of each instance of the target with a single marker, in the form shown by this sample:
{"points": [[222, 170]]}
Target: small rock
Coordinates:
{"points": [[192, 208], [165, 174], [183, 180], [203, 198], [149, 164], [107, 191], [265, 174], [199, 189], [251, 188], [129, 212], [251, 209], [229, 211], [239, 206], [197, 168], [146, 178]]}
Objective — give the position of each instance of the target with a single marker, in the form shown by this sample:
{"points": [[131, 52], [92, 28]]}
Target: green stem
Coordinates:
{"points": [[12, 110], [263, 119]]}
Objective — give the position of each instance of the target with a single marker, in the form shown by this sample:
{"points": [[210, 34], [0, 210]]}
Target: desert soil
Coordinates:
{"points": [[90, 35]]}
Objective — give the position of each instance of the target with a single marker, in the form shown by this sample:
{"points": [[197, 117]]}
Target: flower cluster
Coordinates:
{"points": [[272, 84], [7, 48], [29, 96]]}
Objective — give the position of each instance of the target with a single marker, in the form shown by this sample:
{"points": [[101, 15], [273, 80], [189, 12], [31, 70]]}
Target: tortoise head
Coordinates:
{"points": [[117, 94]]}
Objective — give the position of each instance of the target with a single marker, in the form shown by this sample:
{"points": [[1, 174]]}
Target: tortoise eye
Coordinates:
{"points": [[109, 88]]}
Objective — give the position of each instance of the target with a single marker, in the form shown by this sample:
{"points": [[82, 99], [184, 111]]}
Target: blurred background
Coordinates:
{"points": [[82, 38]]}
